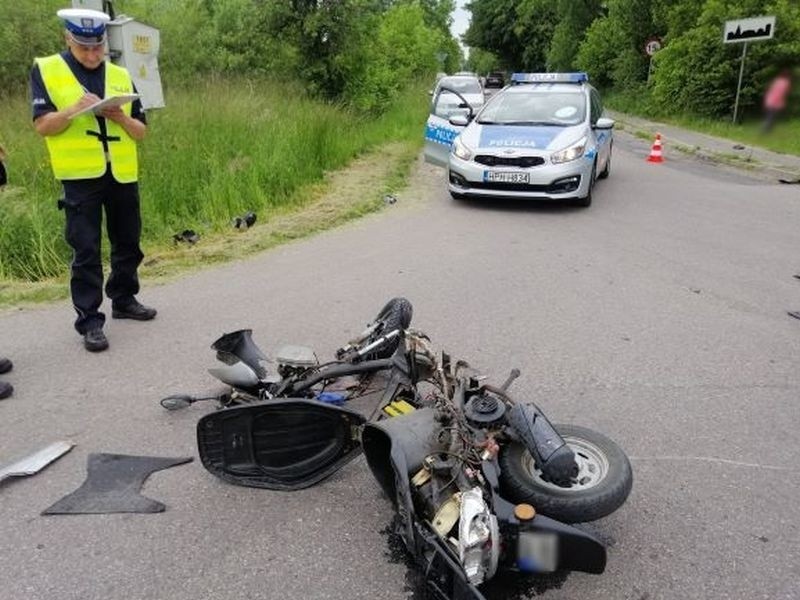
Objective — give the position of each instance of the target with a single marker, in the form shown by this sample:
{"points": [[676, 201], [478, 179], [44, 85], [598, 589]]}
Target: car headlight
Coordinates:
{"points": [[569, 153], [461, 151]]}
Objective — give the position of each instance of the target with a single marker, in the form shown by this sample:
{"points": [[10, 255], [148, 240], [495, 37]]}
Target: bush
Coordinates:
{"points": [[403, 48], [598, 51], [697, 73]]}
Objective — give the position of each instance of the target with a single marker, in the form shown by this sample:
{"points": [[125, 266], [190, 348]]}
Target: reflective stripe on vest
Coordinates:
{"points": [[77, 152]]}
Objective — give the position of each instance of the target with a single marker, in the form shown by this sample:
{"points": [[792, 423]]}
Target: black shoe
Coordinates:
{"points": [[5, 365], [134, 310], [95, 340], [6, 389]]}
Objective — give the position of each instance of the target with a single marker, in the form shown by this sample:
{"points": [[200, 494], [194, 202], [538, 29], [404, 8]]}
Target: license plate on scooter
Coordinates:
{"points": [[537, 552]]}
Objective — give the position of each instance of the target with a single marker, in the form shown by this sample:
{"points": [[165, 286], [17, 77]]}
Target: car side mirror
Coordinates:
{"points": [[604, 123], [459, 120]]}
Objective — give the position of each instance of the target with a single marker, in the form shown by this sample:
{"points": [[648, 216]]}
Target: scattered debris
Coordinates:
{"points": [[112, 486], [189, 236], [738, 147], [789, 181], [246, 221], [796, 275], [389, 199], [795, 314], [695, 290], [30, 465]]}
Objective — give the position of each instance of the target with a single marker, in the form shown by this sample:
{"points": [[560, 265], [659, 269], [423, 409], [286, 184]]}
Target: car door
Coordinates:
{"points": [[603, 136], [439, 131]]}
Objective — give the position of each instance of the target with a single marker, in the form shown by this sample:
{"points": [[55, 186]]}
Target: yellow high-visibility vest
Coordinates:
{"points": [[74, 153]]}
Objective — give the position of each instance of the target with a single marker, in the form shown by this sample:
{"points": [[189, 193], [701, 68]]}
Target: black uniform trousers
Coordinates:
{"points": [[83, 204]]}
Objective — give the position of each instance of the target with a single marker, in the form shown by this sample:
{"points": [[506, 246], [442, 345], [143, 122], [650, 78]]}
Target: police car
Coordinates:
{"points": [[541, 137]]}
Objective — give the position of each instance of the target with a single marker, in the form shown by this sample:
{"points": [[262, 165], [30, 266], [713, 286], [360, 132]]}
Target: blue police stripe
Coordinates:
{"points": [[514, 136], [440, 135]]}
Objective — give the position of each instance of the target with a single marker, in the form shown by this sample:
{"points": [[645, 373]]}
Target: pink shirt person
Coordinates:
{"points": [[775, 98]]}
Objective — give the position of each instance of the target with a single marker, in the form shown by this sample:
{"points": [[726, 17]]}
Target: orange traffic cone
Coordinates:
{"points": [[655, 152]]}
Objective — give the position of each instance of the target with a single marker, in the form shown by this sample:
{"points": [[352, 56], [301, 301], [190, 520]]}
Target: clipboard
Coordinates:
{"points": [[106, 102]]}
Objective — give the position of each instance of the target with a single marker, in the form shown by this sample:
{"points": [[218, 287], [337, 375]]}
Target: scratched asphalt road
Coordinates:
{"points": [[657, 316]]}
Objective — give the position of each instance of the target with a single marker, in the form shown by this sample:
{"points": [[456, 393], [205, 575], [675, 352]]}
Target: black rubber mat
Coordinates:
{"points": [[112, 486]]}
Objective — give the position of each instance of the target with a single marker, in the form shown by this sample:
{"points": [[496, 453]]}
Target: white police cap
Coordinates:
{"points": [[86, 27]]}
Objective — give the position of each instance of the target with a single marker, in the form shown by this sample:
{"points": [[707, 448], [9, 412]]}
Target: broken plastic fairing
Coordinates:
{"points": [[478, 537]]}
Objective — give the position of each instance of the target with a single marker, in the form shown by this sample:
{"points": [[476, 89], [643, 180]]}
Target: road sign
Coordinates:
{"points": [[754, 29], [749, 30], [652, 46]]}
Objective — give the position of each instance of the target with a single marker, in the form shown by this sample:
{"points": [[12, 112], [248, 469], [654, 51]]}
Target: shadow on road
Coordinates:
{"points": [[518, 205]]}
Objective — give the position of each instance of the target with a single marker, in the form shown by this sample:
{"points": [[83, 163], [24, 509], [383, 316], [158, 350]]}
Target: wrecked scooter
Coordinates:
{"points": [[481, 482]]}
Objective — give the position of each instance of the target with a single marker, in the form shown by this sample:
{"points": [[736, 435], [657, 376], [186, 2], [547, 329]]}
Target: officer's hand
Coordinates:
{"points": [[86, 100], [114, 113]]}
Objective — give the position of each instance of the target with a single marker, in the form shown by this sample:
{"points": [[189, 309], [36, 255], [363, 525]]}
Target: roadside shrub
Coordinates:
{"points": [[27, 30], [403, 48], [597, 53], [697, 73]]}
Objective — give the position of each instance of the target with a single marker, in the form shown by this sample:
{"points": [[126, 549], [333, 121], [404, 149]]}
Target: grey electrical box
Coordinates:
{"points": [[93, 4], [134, 45]]}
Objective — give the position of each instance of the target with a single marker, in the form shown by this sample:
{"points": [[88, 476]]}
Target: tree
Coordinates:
{"points": [[573, 19], [482, 61], [612, 51], [536, 21], [438, 14], [697, 73], [492, 28]]}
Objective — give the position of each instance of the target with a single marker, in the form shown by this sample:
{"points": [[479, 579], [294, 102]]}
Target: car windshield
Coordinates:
{"points": [[556, 108], [462, 85]]}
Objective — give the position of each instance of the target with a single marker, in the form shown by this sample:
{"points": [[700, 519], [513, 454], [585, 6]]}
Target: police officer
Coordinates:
{"points": [[94, 155]]}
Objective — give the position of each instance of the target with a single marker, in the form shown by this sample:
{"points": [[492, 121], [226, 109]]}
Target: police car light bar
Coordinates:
{"points": [[549, 78]]}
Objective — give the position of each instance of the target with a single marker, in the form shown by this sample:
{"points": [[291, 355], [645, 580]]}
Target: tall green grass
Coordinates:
{"points": [[220, 148]]}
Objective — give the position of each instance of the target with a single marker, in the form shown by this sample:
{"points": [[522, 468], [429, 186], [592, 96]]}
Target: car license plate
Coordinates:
{"points": [[537, 552], [505, 177]]}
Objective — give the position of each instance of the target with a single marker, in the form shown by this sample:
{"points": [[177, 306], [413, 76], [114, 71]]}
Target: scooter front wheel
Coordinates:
{"points": [[396, 314], [600, 487]]}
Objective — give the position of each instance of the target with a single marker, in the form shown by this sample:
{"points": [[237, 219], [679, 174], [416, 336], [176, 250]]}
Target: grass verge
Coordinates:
{"points": [[220, 149], [784, 138], [342, 195]]}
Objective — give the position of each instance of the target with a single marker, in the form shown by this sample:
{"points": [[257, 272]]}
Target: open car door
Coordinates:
{"points": [[278, 445], [439, 131]]}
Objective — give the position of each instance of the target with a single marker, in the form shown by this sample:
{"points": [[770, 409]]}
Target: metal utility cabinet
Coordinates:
{"points": [[134, 45]]}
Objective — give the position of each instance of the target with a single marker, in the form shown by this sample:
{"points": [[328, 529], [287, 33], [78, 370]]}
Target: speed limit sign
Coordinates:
{"points": [[652, 46]]}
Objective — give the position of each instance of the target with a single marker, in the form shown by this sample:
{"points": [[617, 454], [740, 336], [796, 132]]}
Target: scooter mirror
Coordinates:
{"points": [[176, 402]]}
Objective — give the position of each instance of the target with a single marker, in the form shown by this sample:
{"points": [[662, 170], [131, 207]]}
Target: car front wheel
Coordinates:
{"points": [[586, 201], [607, 169]]}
